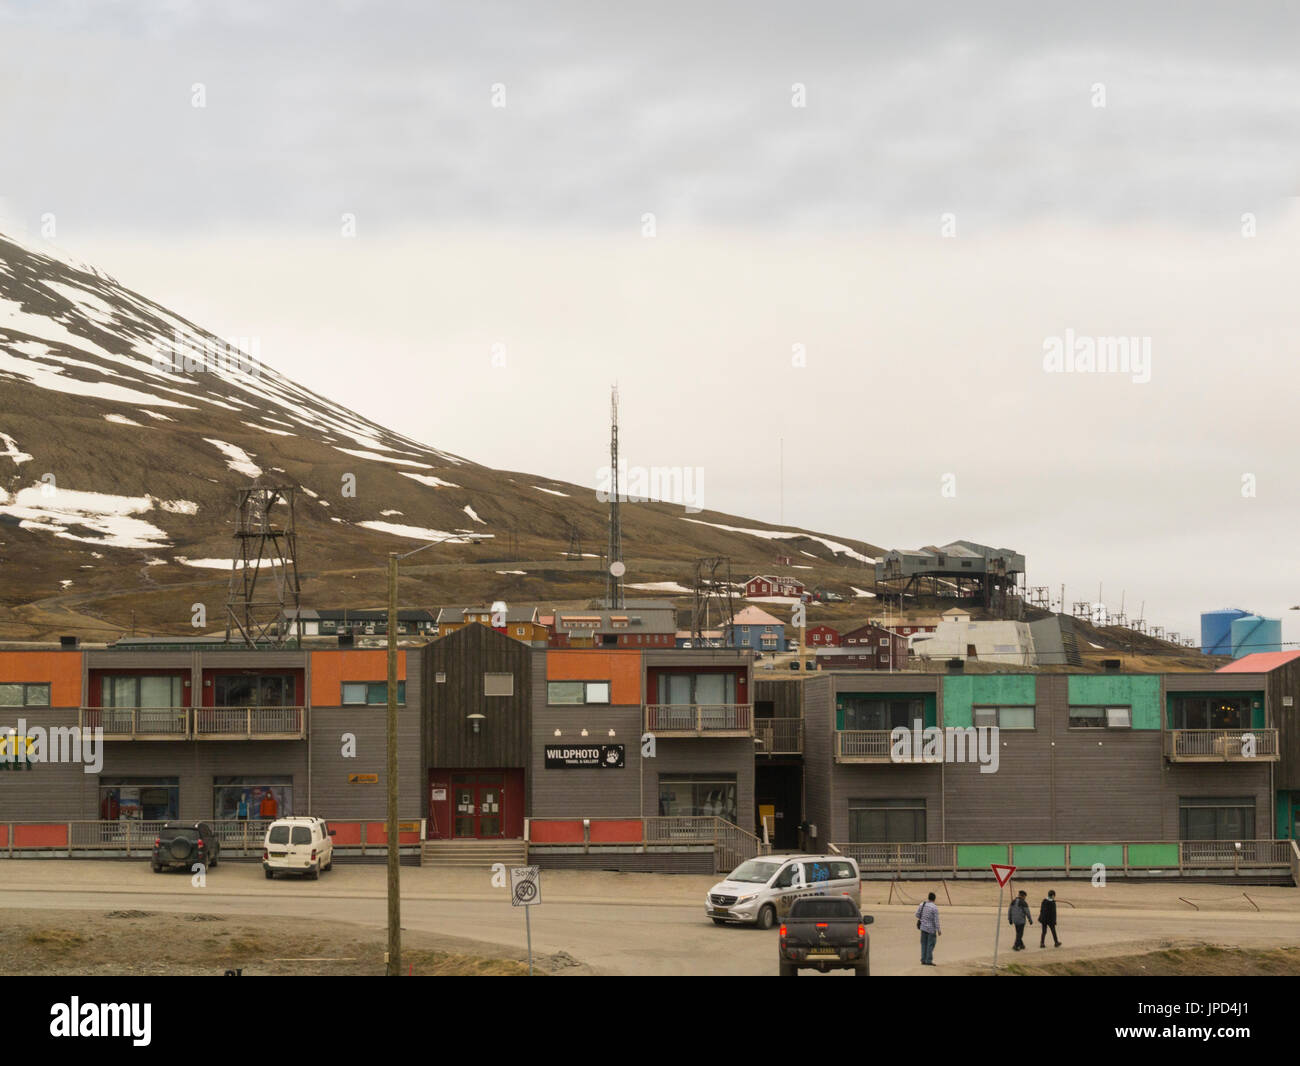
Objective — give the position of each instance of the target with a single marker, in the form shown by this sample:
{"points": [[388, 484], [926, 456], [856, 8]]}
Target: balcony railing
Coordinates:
{"points": [[699, 720], [239, 723], [196, 723], [779, 736], [875, 746], [138, 723], [1221, 745]]}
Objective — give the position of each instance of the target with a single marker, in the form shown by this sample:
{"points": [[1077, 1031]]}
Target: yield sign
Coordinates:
{"points": [[1002, 873]]}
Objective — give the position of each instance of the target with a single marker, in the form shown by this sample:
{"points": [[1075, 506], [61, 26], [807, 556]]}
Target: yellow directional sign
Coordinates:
{"points": [[363, 779]]}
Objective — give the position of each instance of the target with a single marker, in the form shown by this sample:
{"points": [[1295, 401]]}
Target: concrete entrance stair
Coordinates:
{"points": [[473, 852]]}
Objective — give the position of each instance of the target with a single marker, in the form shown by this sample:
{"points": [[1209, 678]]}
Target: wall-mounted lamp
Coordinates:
{"points": [[557, 732], [584, 733], [612, 733], [476, 718]]}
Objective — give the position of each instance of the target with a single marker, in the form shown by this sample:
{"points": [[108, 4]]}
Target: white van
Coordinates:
{"points": [[300, 845], [760, 891]]}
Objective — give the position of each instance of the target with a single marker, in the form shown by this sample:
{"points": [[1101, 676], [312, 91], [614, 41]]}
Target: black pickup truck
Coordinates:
{"points": [[824, 933]]}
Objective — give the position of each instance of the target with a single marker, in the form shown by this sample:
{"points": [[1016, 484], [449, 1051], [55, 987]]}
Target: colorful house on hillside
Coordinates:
{"points": [[754, 628], [765, 585]]}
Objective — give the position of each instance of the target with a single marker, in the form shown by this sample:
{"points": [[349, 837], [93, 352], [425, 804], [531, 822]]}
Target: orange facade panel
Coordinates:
{"points": [[329, 669], [622, 669], [60, 669]]}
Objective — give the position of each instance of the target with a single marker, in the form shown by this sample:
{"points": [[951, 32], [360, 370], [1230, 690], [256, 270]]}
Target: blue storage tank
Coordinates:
{"points": [[1216, 630], [1253, 633]]}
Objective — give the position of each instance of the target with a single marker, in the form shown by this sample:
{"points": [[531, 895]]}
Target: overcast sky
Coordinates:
{"points": [[950, 197]]}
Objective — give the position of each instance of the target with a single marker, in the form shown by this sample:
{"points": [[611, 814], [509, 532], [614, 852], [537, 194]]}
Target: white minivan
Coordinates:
{"points": [[298, 845], [761, 890]]}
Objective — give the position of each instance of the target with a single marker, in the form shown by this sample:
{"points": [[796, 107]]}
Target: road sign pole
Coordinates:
{"points": [[528, 926], [997, 929], [1003, 874]]}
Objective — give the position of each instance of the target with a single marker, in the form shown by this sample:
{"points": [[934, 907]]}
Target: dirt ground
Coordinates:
{"points": [[117, 917], [1192, 960], [139, 943]]}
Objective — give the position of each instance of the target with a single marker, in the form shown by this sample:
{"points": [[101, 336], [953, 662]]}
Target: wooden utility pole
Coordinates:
{"points": [[394, 967]]}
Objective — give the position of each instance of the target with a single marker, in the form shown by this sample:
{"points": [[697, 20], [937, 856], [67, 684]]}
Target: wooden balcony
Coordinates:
{"points": [[699, 720], [137, 723], [874, 746], [250, 723], [196, 723], [1221, 745], [779, 736]]}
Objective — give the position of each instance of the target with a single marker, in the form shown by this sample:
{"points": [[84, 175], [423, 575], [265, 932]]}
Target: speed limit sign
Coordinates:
{"points": [[525, 886]]}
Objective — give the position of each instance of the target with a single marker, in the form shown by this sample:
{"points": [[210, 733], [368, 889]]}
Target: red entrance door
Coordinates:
{"points": [[476, 805]]}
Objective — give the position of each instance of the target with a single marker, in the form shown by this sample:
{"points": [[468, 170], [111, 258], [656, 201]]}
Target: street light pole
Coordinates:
{"points": [[394, 967]]}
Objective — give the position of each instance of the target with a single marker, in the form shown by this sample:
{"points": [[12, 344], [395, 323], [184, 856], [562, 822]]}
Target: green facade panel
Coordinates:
{"points": [[1151, 855], [1091, 854], [1138, 691], [980, 856], [1038, 856], [962, 692]]}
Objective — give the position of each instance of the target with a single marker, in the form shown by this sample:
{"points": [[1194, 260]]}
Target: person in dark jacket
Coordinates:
{"points": [[1047, 920], [1018, 915]]}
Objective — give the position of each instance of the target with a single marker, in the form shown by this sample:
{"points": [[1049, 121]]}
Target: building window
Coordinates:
{"points": [[370, 694], [136, 692], [861, 713], [254, 690], [1216, 818], [25, 694], [440, 678], [264, 797], [697, 689], [1210, 712], [150, 799], [498, 684], [698, 796], [1004, 717], [886, 821], [1101, 717], [563, 693]]}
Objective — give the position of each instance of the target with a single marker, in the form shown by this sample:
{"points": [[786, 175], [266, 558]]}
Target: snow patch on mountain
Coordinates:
{"points": [[430, 480], [781, 534], [11, 450], [470, 511], [89, 517], [421, 533], [237, 459]]}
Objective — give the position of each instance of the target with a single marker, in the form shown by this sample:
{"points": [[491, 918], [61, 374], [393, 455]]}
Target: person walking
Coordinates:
{"points": [[1047, 920], [927, 920], [1018, 915]]}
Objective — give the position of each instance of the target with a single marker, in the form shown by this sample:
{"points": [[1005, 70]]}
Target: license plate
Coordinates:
{"points": [[821, 952], [720, 912], [277, 854]]}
